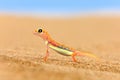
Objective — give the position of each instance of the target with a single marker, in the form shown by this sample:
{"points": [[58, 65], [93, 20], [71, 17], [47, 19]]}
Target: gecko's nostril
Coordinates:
{"points": [[39, 30]]}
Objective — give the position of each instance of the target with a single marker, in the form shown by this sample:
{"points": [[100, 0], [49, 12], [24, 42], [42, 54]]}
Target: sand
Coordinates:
{"points": [[21, 52]]}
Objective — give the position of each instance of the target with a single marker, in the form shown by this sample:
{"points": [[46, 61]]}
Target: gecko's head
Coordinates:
{"points": [[42, 33], [39, 32]]}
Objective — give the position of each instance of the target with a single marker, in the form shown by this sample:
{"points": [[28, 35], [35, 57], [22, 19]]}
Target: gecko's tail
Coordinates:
{"points": [[83, 53]]}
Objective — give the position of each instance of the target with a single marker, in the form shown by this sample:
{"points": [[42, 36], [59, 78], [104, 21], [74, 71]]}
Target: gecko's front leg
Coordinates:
{"points": [[47, 51]]}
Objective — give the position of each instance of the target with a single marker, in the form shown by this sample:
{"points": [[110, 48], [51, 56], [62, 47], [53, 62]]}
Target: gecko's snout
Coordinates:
{"points": [[36, 31]]}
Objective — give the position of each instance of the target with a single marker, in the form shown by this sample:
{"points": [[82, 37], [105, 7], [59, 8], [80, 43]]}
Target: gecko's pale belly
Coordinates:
{"points": [[61, 50]]}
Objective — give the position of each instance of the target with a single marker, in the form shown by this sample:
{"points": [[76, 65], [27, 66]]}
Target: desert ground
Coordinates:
{"points": [[21, 52]]}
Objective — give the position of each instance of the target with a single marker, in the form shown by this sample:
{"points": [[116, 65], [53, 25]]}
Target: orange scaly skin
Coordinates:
{"points": [[60, 48]]}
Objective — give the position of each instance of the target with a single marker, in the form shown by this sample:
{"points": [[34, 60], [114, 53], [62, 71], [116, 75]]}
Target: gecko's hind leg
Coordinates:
{"points": [[73, 57], [76, 53]]}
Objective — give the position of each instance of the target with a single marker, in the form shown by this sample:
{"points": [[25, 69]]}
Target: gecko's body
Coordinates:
{"points": [[60, 48]]}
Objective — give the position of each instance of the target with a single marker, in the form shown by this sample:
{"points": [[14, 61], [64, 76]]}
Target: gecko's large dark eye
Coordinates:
{"points": [[39, 30]]}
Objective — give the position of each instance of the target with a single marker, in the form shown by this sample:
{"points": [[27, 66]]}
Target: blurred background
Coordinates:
{"points": [[60, 8]]}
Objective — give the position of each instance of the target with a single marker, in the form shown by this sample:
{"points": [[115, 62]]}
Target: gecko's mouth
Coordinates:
{"points": [[35, 33]]}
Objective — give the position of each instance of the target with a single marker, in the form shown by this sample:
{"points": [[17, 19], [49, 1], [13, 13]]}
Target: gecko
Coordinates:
{"points": [[58, 47]]}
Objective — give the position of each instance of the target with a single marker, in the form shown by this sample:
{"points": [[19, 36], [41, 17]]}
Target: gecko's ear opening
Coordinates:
{"points": [[40, 30]]}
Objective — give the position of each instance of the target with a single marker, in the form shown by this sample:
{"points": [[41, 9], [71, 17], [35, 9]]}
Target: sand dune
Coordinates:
{"points": [[21, 52]]}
